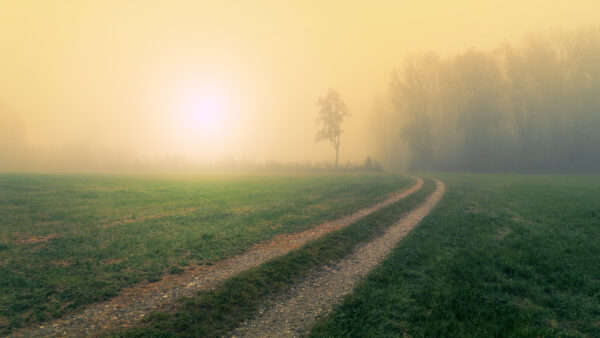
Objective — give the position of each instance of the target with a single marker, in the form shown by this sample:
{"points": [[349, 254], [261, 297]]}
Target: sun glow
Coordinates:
{"points": [[205, 114]]}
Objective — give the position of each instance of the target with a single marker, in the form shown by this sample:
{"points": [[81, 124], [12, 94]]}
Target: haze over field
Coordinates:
{"points": [[100, 85]]}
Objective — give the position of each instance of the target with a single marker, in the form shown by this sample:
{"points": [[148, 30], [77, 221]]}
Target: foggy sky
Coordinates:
{"points": [[121, 75]]}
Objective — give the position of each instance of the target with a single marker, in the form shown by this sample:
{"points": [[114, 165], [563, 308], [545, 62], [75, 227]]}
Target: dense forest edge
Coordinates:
{"points": [[534, 107]]}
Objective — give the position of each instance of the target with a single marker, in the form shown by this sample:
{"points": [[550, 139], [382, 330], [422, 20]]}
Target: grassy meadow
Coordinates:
{"points": [[501, 255], [70, 240]]}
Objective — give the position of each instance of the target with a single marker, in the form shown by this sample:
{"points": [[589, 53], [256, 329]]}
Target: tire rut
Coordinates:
{"points": [[294, 313]]}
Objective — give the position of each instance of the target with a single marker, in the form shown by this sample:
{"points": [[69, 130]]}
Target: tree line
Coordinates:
{"points": [[534, 107]]}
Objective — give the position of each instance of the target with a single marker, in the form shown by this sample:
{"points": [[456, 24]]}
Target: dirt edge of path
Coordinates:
{"points": [[134, 302], [293, 313]]}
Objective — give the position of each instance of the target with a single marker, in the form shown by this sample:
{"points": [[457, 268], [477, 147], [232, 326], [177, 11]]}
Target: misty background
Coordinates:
{"points": [[465, 86]]}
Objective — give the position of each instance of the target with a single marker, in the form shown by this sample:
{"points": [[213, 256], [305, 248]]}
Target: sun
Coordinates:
{"points": [[205, 113]]}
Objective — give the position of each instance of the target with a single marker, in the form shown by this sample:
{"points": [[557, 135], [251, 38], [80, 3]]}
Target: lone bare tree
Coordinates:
{"points": [[332, 111]]}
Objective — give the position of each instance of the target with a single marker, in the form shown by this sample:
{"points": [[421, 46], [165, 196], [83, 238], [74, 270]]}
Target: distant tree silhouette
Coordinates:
{"points": [[332, 111], [532, 107]]}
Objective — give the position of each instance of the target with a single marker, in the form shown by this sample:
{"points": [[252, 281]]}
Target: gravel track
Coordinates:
{"points": [[133, 303], [294, 313]]}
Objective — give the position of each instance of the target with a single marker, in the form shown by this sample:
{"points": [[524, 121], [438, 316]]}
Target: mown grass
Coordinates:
{"points": [[70, 240], [213, 313], [501, 255]]}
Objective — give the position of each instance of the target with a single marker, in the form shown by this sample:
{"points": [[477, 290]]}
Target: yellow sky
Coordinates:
{"points": [[134, 74]]}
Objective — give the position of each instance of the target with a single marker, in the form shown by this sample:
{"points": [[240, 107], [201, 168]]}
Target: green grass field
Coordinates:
{"points": [[70, 240], [501, 255]]}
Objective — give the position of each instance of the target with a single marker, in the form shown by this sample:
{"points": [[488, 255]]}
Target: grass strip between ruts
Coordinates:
{"points": [[215, 312]]}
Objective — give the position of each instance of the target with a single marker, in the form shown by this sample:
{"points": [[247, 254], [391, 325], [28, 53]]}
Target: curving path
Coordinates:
{"points": [[295, 313], [135, 302]]}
